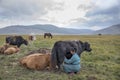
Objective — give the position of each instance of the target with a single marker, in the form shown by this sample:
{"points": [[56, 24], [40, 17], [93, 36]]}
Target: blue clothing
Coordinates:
{"points": [[72, 64]]}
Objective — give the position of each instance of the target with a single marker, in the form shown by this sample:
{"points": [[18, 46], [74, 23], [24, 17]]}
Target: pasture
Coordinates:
{"points": [[103, 63]]}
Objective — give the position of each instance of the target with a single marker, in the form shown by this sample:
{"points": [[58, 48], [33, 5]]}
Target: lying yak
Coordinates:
{"points": [[60, 49], [16, 40], [36, 61], [11, 50], [3, 48]]}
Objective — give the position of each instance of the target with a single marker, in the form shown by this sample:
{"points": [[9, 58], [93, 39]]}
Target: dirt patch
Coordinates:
{"points": [[41, 50]]}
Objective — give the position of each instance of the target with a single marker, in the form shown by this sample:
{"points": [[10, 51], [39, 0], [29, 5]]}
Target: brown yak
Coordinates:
{"points": [[3, 48], [36, 61], [11, 50]]}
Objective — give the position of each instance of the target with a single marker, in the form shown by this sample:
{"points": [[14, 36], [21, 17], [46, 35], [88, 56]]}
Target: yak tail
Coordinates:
{"points": [[53, 58]]}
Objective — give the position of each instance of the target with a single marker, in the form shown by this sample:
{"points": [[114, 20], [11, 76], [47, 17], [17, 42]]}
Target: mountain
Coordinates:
{"points": [[115, 29], [40, 29]]}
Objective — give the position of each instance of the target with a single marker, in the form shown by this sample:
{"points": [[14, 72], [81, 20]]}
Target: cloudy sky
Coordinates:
{"points": [[82, 14]]}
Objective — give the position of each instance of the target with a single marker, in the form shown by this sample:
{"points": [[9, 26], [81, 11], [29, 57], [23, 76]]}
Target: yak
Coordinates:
{"points": [[60, 49], [3, 48], [11, 50], [16, 40], [49, 35], [36, 61]]}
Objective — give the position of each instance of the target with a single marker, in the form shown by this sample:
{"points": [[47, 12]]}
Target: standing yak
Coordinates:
{"points": [[60, 49], [16, 40], [49, 35]]}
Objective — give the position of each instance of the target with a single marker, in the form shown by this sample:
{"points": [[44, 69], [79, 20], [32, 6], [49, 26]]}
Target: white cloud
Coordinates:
{"points": [[95, 28], [63, 13], [69, 13], [105, 4], [23, 11]]}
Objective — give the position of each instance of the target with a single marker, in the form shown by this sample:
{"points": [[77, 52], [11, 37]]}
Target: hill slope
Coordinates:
{"points": [[115, 29], [40, 29]]}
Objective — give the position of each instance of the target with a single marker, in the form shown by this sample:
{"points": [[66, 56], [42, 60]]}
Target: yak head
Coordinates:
{"points": [[25, 42], [87, 47]]}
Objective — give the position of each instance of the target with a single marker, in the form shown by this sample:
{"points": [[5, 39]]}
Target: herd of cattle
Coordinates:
{"points": [[43, 58]]}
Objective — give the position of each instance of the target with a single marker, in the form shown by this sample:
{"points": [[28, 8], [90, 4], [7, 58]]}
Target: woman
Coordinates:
{"points": [[72, 65]]}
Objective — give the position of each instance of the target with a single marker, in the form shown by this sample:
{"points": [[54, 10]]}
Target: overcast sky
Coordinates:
{"points": [[82, 14]]}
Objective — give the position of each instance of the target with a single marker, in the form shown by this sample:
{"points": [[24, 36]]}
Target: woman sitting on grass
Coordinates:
{"points": [[71, 62]]}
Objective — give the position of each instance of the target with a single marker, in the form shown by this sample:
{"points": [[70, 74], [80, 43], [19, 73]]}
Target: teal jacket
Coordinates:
{"points": [[72, 64]]}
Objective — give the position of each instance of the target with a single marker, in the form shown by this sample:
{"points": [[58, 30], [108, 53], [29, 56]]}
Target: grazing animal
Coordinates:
{"points": [[49, 35], [99, 34], [16, 40], [11, 50], [36, 61], [30, 38], [60, 49]]}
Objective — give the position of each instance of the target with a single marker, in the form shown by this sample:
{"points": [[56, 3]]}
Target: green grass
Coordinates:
{"points": [[103, 63]]}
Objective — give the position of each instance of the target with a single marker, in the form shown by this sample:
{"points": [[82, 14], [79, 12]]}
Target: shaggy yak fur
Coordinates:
{"points": [[36, 61], [60, 49], [49, 35], [11, 50], [16, 40]]}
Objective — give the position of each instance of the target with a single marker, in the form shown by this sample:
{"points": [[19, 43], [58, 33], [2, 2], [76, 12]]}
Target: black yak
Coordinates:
{"points": [[16, 40], [49, 35], [60, 49]]}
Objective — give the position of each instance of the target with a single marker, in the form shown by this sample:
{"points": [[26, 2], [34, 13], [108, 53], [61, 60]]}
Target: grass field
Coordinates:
{"points": [[103, 63]]}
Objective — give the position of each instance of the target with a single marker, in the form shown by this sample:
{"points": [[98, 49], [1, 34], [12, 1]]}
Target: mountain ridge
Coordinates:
{"points": [[40, 29], [114, 29]]}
